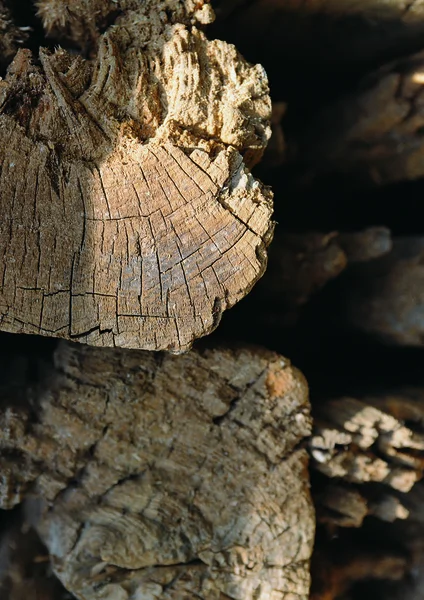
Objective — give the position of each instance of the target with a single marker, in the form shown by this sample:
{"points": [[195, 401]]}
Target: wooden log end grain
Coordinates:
{"points": [[129, 215]]}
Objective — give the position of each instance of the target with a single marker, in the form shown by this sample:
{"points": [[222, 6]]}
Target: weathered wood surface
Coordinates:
{"points": [[128, 215], [369, 452], [371, 439], [155, 476]]}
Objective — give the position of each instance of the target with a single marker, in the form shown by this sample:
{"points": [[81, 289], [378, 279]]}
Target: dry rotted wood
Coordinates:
{"points": [[155, 476], [371, 453], [375, 439], [129, 217]]}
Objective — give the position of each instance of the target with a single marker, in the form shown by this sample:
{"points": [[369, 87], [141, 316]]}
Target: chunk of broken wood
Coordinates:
{"points": [[129, 216], [364, 441], [369, 452], [165, 476]]}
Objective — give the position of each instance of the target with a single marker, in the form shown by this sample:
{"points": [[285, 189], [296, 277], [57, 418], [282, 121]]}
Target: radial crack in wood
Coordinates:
{"points": [[129, 217], [167, 477]]}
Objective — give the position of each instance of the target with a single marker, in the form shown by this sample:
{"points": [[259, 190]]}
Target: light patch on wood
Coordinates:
{"points": [[128, 215]]}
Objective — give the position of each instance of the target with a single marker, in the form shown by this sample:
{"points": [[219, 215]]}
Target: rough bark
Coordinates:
{"points": [[155, 476], [129, 217], [376, 132]]}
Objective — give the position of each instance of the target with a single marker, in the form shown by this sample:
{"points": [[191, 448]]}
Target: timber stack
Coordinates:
{"points": [[153, 443]]}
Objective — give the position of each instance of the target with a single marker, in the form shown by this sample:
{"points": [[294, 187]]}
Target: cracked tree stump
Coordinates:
{"points": [[154, 476], [128, 214]]}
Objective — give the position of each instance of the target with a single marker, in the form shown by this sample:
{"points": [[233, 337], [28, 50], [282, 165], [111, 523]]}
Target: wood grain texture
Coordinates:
{"points": [[129, 217], [154, 476]]}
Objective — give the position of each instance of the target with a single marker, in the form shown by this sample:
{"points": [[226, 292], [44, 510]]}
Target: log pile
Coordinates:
{"points": [[150, 181]]}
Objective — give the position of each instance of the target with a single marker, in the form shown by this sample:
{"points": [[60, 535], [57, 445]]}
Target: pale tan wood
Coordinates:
{"points": [[374, 439], [369, 451], [129, 217]]}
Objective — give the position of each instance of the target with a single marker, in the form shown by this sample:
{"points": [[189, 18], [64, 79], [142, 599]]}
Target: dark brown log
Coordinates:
{"points": [[386, 298], [300, 265], [374, 133]]}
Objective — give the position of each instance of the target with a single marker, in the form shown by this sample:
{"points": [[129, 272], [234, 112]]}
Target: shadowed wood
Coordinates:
{"points": [[156, 476]]}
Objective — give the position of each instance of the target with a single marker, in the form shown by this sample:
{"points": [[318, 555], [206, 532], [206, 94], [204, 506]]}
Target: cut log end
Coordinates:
{"points": [[129, 216]]}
